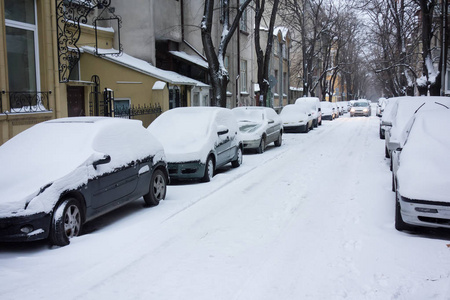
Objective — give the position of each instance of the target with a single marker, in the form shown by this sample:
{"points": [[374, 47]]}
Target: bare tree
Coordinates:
{"points": [[263, 57], [218, 74], [394, 42]]}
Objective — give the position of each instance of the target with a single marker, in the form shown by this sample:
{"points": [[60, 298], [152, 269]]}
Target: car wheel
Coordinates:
{"points": [[306, 128], [279, 141], [382, 134], [400, 225], [157, 190], [209, 170], [262, 145], [386, 152], [66, 222], [236, 163]]}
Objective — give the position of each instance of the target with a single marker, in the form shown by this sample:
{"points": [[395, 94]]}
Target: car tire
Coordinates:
{"points": [[262, 145], [67, 221], [157, 189], [306, 128], [382, 137], [209, 170], [386, 152], [236, 163], [279, 140], [400, 225]]}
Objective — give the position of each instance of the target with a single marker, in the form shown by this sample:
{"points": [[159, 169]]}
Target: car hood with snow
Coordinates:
{"points": [[424, 163]]}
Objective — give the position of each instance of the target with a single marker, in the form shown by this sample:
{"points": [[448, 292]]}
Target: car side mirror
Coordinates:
{"points": [[221, 130], [106, 159]]}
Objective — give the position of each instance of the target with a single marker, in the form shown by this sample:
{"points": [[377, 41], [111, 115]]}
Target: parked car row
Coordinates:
{"points": [[81, 168], [417, 141]]}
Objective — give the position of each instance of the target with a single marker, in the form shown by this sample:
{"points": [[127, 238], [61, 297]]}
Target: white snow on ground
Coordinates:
{"points": [[312, 219]]}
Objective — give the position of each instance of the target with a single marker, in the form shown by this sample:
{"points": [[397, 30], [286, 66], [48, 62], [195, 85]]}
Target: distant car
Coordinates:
{"points": [[336, 110], [296, 118], [402, 112], [360, 108], [73, 170], [198, 140], [420, 172], [328, 110], [313, 103], [259, 126]]}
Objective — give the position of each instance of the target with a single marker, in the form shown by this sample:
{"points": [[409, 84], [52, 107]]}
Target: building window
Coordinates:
{"points": [[196, 99], [243, 75], [243, 25], [22, 45], [448, 82], [122, 108]]}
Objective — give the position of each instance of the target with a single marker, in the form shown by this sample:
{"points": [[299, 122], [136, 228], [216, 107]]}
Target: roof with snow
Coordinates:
{"points": [[145, 67], [191, 58]]}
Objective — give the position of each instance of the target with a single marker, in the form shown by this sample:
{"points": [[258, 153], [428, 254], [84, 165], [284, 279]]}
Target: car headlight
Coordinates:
{"points": [[365, 110], [352, 110]]}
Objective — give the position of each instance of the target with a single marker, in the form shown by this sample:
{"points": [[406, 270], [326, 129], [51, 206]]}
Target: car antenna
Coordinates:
{"points": [[442, 105], [419, 108]]}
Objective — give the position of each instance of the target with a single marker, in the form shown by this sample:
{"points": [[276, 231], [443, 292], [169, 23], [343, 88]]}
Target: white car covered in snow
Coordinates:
{"points": [[198, 140], [402, 112], [420, 172], [313, 104], [59, 174], [296, 118], [259, 127], [328, 110]]}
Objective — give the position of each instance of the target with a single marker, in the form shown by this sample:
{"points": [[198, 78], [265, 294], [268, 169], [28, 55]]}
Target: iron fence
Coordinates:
{"points": [[132, 111], [26, 102]]}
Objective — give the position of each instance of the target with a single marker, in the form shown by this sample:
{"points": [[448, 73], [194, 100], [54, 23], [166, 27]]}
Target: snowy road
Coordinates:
{"points": [[312, 219]]}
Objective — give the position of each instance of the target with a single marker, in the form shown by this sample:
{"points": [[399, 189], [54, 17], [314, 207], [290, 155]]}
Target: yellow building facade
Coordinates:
{"points": [[38, 44]]}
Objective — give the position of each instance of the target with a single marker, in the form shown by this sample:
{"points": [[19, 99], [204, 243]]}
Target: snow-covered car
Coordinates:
{"points": [[59, 174], [313, 103], [328, 110], [259, 126], [360, 108], [402, 112], [336, 110], [420, 172], [386, 119], [381, 105], [296, 118], [198, 140]]}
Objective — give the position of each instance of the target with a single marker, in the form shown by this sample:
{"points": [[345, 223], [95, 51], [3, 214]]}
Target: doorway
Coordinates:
{"points": [[75, 101]]}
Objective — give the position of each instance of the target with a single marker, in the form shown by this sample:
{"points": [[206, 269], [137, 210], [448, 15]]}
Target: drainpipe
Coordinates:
{"points": [[238, 62]]}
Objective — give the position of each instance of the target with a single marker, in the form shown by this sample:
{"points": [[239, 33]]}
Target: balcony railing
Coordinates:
{"points": [[25, 102]]}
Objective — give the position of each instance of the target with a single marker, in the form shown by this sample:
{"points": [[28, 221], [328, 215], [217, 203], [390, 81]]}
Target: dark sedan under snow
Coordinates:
{"points": [[62, 173]]}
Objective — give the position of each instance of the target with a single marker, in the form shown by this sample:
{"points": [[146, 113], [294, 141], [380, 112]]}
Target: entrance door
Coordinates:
{"points": [[75, 101]]}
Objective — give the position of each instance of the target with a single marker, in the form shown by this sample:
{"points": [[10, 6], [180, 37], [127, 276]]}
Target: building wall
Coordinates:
{"points": [[137, 34]]}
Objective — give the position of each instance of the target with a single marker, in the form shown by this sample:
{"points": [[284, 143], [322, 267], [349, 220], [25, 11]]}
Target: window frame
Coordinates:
{"points": [[243, 75], [33, 28]]}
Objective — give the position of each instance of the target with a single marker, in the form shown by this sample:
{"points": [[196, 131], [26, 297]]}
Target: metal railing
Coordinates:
{"points": [[132, 111], [26, 102]]}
